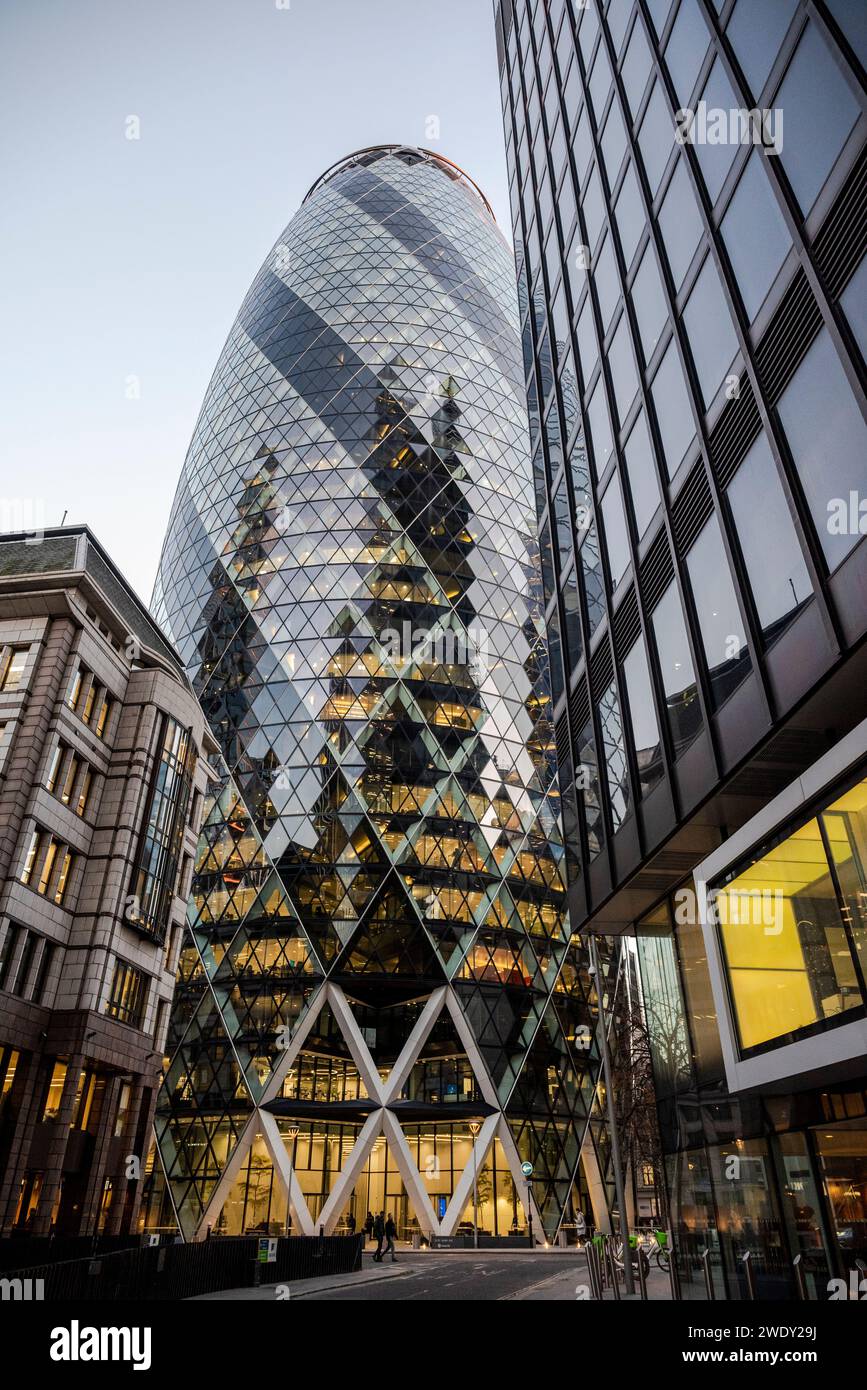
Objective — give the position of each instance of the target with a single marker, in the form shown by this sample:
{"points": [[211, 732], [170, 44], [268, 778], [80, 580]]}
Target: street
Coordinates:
{"points": [[483, 1277]]}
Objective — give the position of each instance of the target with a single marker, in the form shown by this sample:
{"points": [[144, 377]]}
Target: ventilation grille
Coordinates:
{"points": [[842, 241], [601, 668], [579, 707], [691, 509], [734, 432], [627, 624], [789, 335], [656, 571], [561, 735]]}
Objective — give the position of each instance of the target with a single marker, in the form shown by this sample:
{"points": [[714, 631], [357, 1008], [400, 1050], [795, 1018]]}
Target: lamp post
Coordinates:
{"points": [[474, 1128], [293, 1131]]}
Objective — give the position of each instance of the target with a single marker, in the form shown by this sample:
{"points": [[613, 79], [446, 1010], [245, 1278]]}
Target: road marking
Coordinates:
{"points": [[540, 1284]]}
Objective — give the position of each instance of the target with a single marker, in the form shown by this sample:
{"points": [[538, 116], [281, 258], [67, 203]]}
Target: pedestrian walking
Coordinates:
{"points": [[379, 1236], [390, 1235]]}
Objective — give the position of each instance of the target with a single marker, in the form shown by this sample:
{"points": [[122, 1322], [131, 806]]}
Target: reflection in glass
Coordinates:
{"points": [[778, 575], [822, 421], [788, 958], [614, 751], [719, 619], [675, 664], [642, 718]]}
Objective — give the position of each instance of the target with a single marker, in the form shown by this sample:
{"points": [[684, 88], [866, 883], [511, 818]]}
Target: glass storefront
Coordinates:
{"points": [[778, 1176]]}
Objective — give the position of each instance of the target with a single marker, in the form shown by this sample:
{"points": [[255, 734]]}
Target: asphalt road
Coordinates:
{"points": [[450, 1275]]}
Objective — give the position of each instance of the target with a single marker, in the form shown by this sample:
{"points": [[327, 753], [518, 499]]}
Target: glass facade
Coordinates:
{"points": [[708, 281], [379, 983], [714, 485]]}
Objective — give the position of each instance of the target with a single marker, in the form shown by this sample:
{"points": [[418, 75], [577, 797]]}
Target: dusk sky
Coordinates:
{"points": [[124, 261]]}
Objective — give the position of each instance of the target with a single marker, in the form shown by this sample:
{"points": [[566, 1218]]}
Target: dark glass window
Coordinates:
{"points": [[755, 234], [588, 22], [616, 534], [648, 298], [585, 336], [588, 781], [582, 146], [641, 472], [629, 213], [828, 440], [599, 83], [591, 567], [614, 751], [675, 664], [818, 112], [766, 533], [710, 330], [613, 143], [600, 428], [680, 222], [593, 208], [642, 718], [854, 302], [572, 614], [686, 47], [716, 159], [155, 872], [127, 998], [547, 562], [572, 97], [851, 15], [719, 619], [622, 367], [755, 33], [659, 13], [617, 19], [555, 656], [656, 137], [636, 67], [563, 523], [673, 410], [566, 207], [607, 284]]}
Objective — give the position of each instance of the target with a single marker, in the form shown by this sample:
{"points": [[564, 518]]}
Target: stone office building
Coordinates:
{"points": [[101, 779]]}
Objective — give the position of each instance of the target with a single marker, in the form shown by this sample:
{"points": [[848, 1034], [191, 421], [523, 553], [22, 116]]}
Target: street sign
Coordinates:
{"points": [[527, 1170], [267, 1250]]}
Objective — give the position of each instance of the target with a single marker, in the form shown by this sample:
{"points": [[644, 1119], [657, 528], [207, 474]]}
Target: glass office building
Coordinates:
{"points": [[380, 1004], [687, 183]]}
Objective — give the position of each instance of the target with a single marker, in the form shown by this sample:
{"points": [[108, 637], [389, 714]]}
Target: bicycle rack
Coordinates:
{"points": [[643, 1267], [747, 1262], [612, 1270], [708, 1275], [673, 1271], [800, 1280], [594, 1270]]}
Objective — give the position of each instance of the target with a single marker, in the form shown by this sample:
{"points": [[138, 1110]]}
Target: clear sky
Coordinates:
{"points": [[123, 262]]}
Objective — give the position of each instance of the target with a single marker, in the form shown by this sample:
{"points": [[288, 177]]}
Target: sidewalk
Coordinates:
{"points": [[300, 1288]]}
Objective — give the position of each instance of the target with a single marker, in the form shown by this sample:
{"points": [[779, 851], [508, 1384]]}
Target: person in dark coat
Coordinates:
{"points": [[368, 1226], [390, 1235], [350, 1223], [379, 1236]]}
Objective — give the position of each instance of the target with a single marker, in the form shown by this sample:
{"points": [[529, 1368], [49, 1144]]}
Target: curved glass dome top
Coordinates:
{"points": [[351, 576], [409, 154]]}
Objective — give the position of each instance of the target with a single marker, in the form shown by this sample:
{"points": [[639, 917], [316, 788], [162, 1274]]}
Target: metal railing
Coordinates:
{"points": [[178, 1271]]}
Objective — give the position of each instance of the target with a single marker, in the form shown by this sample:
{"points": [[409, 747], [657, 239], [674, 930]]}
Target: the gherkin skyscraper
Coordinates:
{"points": [[378, 995]]}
